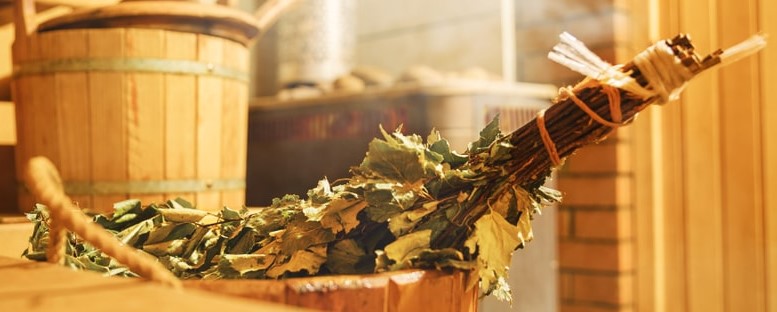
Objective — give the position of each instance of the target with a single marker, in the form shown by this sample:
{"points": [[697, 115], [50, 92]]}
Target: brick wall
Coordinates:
{"points": [[596, 266]]}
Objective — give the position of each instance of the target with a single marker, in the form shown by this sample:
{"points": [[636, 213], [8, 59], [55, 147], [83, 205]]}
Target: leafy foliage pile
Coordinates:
{"points": [[409, 204]]}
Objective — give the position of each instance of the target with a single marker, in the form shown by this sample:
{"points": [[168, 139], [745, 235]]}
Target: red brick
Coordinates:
{"points": [[603, 224], [610, 289], [596, 256], [564, 223], [607, 157], [565, 286], [596, 190]]}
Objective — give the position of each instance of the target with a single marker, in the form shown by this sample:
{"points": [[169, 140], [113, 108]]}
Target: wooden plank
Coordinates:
{"points": [[768, 24], [180, 112], [7, 124], [673, 286], [37, 286], [234, 123], [42, 111], [742, 165], [108, 111], [701, 170], [145, 100], [74, 121], [647, 206], [15, 239], [209, 111]]}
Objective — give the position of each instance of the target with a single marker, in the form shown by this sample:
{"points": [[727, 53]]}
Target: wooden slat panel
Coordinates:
{"points": [[741, 160], [108, 111], [768, 24], [145, 100], [673, 217], [234, 123], [36, 286], [180, 114], [672, 284], [74, 121], [701, 170], [209, 103]]}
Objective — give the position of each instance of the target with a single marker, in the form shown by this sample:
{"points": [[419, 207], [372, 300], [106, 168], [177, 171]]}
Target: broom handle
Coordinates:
{"points": [[45, 183]]}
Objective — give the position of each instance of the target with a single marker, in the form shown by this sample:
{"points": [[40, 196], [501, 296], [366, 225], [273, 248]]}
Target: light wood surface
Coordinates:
{"points": [[180, 146], [107, 111], [767, 19], [36, 286], [701, 132], [209, 120], [145, 96], [706, 238]]}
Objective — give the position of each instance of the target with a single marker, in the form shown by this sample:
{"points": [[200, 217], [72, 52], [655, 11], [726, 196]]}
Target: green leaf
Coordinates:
{"points": [[179, 203], [167, 248], [406, 247], [496, 239], [406, 221], [488, 135], [443, 148], [182, 215], [243, 242], [399, 158], [301, 235], [243, 264], [122, 207], [321, 194], [307, 260], [170, 232], [344, 257], [131, 235], [444, 258]]}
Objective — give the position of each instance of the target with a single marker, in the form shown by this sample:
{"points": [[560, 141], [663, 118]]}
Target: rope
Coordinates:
{"points": [[550, 147], [665, 74], [44, 181]]}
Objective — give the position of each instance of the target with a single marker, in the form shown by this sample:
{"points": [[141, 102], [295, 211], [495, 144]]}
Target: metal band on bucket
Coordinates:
{"points": [[150, 65]]}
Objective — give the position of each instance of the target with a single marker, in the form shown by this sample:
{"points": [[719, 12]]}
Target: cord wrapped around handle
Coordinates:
{"points": [[45, 183]]}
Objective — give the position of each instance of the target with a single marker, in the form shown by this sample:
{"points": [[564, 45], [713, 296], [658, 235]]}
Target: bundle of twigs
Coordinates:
{"points": [[411, 203]]}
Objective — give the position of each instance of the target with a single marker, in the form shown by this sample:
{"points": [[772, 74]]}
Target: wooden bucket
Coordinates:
{"points": [[411, 290], [129, 112]]}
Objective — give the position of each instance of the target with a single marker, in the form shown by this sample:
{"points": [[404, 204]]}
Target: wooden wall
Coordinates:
{"points": [[706, 214]]}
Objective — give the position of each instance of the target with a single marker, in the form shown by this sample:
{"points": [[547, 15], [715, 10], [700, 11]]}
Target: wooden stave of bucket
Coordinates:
{"points": [[408, 290], [148, 148]]}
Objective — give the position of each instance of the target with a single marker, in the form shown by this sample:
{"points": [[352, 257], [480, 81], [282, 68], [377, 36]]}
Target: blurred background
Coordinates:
{"points": [[677, 212]]}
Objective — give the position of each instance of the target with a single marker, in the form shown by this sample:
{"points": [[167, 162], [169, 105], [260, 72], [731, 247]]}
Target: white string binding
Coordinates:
{"points": [[665, 75], [743, 49]]}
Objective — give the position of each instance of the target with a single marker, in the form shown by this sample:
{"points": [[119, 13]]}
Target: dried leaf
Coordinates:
{"points": [[344, 256], [308, 260]]}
